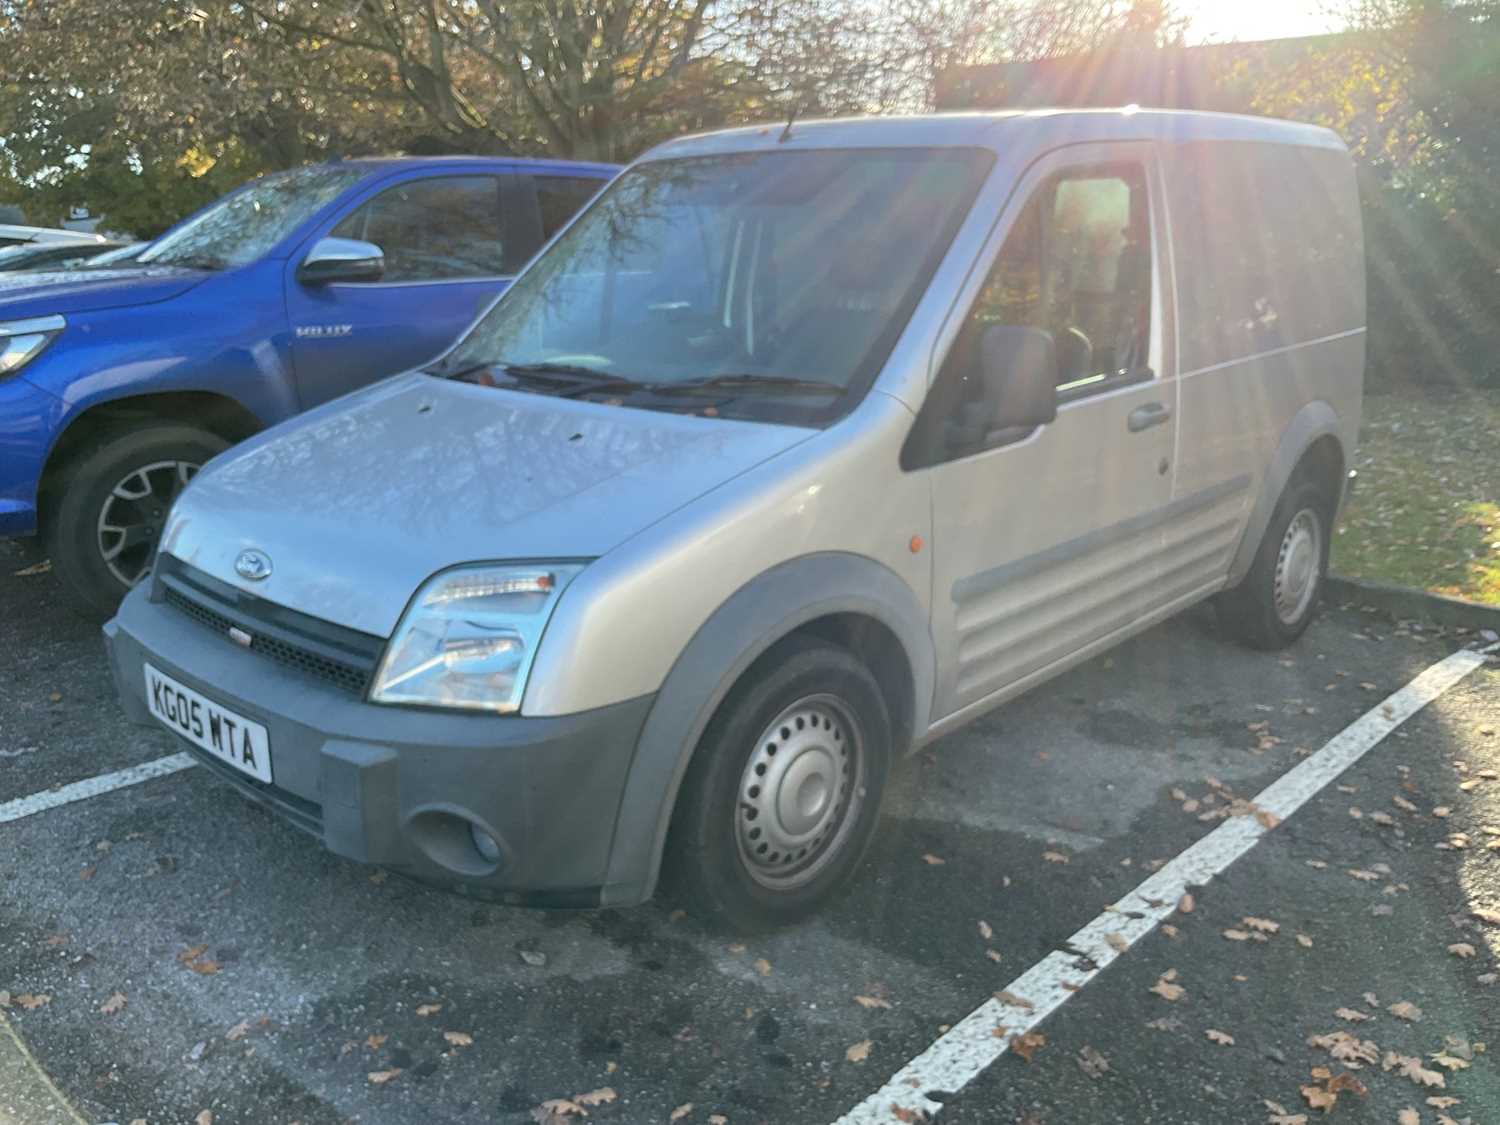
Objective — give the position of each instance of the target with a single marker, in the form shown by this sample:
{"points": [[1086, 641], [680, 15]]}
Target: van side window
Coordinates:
{"points": [[439, 229], [1077, 263]]}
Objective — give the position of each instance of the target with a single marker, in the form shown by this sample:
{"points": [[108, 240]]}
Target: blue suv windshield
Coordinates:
{"points": [[772, 275], [245, 224]]}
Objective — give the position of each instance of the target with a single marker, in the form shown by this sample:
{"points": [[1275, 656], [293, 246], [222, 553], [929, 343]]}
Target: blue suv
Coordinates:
{"points": [[118, 383]]}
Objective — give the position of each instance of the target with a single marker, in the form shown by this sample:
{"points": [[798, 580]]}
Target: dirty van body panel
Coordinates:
{"points": [[418, 474], [1268, 247]]}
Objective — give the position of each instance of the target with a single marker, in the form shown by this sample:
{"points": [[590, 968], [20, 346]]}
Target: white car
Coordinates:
{"points": [[12, 234]]}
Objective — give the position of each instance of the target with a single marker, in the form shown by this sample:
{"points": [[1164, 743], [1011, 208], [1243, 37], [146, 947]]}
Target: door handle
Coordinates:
{"points": [[1144, 417]]}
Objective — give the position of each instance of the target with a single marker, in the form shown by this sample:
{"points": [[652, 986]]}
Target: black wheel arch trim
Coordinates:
{"points": [[761, 613]]}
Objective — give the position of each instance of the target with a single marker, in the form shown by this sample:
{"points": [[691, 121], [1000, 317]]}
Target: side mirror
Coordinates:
{"points": [[1019, 369], [341, 259]]}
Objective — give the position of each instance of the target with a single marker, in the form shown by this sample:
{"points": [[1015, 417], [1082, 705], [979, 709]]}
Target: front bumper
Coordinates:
{"points": [[401, 787]]}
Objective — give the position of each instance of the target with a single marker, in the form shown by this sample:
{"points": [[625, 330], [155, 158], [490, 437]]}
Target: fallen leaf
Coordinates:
{"points": [[680, 1112], [1014, 1001], [933, 860], [1405, 1010], [533, 957], [1319, 1098], [238, 1031], [1223, 1039], [206, 1117], [1442, 812], [1490, 916], [871, 1002], [1166, 989], [1237, 935], [115, 1002], [1304, 941], [1461, 949], [1408, 1117], [859, 1052], [1116, 941], [381, 1077], [204, 967], [1028, 1045], [1094, 1064], [1264, 925], [1186, 904], [601, 1096], [1403, 804], [31, 1002], [425, 1010], [993, 955], [1363, 876], [1409, 1066], [459, 1038], [717, 1119], [375, 1042], [1054, 857], [762, 966]]}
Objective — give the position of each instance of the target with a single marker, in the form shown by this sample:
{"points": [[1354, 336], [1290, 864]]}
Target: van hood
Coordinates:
{"points": [[359, 502], [77, 291]]}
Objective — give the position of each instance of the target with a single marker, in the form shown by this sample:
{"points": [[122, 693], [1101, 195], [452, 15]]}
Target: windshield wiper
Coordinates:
{"points": [[748, 381]]}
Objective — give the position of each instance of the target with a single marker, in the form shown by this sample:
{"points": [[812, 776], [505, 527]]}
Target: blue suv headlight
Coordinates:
{"points": [[21, 341]]}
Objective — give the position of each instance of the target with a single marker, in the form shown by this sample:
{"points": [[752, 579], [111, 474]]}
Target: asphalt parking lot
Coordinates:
{"points": [[168, 950]]}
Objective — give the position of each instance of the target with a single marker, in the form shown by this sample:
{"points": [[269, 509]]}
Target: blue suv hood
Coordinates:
{"points": [[78, 291]]}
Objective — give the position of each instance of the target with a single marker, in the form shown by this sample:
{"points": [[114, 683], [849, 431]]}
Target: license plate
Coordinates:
{"points": [[228, 736]]}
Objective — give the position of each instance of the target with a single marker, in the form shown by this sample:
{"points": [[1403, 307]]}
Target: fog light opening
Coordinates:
{"points": [[485, 844]]}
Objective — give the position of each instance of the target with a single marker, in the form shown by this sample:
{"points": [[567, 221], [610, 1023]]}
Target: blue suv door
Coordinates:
{"points": [[451, 244]]}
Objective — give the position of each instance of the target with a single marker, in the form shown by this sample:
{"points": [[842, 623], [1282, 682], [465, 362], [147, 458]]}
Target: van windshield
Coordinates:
{"points": [[246, 224], [773, 280]]}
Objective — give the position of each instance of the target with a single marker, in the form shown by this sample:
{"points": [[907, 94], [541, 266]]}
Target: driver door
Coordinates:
{"points": [[1050, 542]]}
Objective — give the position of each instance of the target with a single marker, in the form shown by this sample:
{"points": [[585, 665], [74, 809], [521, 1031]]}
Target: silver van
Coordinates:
{"points": [[799, 448]]}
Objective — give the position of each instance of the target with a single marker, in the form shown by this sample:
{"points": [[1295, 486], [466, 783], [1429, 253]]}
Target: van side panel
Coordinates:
{"points": [[1271, 303]]}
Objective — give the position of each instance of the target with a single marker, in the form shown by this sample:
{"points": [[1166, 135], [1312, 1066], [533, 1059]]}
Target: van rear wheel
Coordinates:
{"points": [[782, 797], [1278, 597], [103, 531]]}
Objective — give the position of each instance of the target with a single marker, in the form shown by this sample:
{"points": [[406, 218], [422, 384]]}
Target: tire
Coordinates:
{"points": [[1279, 595], [127, 481], [816, 701]]}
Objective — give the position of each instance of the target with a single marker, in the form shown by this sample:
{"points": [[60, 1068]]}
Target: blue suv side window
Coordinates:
{"points": [[435, 230]]}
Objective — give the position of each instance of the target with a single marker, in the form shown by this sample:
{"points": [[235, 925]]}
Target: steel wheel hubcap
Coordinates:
{"points": [[799, 793], [1297, 566], [131, 519]]}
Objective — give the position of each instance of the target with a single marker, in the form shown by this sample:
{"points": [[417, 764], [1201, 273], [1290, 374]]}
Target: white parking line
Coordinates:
{"points": [[92, 787], [971, 1045]]}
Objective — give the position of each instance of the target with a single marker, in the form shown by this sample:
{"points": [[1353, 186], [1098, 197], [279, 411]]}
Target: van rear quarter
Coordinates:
{"points": [[1269, 266]]}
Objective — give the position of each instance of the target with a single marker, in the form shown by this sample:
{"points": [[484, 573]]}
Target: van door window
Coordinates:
{"points": [[1078, 264], [434, 230]]}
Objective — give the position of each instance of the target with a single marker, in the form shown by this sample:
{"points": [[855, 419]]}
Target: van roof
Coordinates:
{"points": [[1003, 129]]}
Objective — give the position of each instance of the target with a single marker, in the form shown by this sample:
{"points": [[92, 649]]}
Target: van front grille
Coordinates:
{"points": [[316, 648]]}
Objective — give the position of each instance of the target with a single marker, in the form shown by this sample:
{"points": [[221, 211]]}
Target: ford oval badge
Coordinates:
{"points": [[253, 565]]}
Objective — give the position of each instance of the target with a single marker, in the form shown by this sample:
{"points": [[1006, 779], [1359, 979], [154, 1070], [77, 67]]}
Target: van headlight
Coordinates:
{"points": [[469, 636], [21, 341]]}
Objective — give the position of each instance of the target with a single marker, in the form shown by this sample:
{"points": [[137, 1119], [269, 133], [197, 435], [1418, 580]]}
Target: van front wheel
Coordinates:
{"points": [[781, 799], [1274, 604]]}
